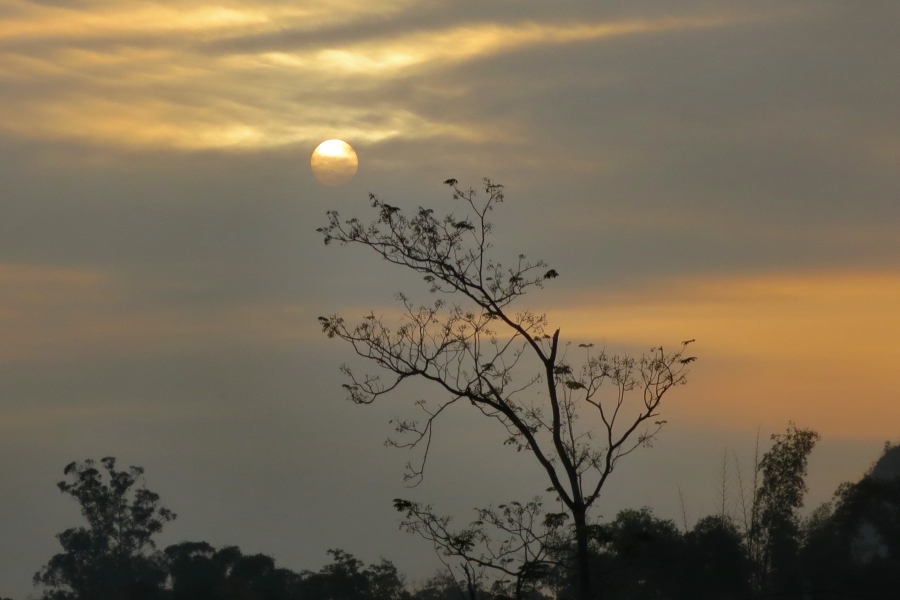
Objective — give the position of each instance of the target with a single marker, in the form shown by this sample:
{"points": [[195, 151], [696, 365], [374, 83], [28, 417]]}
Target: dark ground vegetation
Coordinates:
{"points": [[847, 548]]}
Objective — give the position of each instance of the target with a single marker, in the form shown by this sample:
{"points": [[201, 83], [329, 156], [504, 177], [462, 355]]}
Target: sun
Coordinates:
{"points": [[334, 162]]}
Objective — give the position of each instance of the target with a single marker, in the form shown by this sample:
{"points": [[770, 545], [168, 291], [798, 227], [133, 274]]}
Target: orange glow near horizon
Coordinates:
{"points": [[821, 348]]}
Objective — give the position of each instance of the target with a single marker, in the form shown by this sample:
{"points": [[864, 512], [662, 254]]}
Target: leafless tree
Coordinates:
{"points": [[724, 477], [684, 511], [750, 508], [507, 363]]}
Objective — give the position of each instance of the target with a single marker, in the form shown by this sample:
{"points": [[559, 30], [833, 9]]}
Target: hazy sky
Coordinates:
{"points": [[725, 171]]}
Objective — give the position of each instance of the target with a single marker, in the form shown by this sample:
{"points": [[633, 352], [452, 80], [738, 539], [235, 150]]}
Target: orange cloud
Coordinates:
{"points": [[820, 349]]}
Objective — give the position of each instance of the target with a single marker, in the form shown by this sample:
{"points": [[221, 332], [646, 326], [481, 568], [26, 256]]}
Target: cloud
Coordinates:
{"points": [[772, 346], [435, 48], [72, 314], [139, 74], [155, 283], [776, 315], [130, 18], [820, 345]]}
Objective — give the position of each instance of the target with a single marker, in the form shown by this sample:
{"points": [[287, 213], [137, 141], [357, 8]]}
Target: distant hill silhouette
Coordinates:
{"points": [[888, 466]]}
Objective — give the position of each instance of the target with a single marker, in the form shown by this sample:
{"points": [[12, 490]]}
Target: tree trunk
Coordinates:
{"points": [[582, 557]]}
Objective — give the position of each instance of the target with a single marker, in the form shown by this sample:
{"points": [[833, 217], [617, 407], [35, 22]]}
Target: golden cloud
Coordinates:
{"points": [[130, 73], [123, 18], [458, 44]]}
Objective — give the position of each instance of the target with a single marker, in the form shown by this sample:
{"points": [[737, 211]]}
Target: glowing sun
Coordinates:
{"points": [[334, 162]]}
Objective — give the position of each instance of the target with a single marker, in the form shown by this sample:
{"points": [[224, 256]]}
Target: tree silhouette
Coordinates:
{"points": [[517, 543], [196, 571], [113, 557], [444, 586], [199, 571], [852, 544], [347, 578], [849, 547], [505, 362], [776, 531], [639, 556], [717, 565]]}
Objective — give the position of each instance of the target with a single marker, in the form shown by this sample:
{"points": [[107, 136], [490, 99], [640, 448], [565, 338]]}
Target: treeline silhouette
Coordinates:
{"points": [[756, 546]]}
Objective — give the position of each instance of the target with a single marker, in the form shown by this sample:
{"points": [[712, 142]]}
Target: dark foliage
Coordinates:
{"points": [[638, 556], [853, 543], [717, 564], [346, 578], [113, 557], [849, 547], [198, 571]]}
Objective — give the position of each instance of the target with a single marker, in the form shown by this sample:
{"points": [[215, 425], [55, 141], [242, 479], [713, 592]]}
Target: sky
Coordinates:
{"points": [[725, 171]]}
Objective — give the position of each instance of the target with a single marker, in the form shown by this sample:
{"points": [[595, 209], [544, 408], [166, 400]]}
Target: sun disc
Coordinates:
{"points": [[334, 162]]}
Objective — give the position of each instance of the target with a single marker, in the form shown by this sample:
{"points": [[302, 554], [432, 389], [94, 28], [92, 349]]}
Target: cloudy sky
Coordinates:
{"points": [[725, 171]]}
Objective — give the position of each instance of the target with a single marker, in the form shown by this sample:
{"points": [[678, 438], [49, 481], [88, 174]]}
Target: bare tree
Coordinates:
{"points": [[750, 508], [504, 362], [684, 510], [724, 477]]}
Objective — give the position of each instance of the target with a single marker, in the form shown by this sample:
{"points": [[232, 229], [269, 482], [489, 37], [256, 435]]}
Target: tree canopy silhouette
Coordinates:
{"points": [[114, 556], [849, 547], [775, 534], [852, 543]]}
